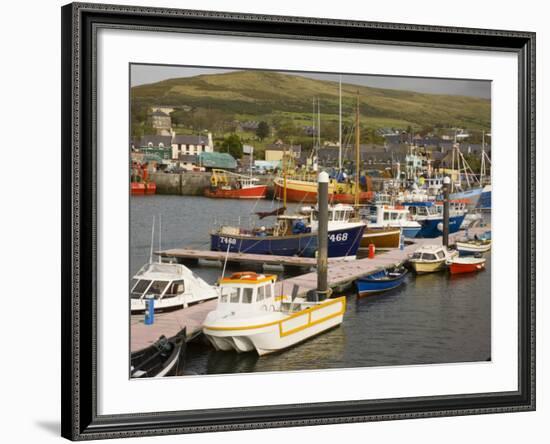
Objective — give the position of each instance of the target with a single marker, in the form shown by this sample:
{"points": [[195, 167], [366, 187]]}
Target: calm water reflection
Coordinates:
{"points": [[433, 318]]}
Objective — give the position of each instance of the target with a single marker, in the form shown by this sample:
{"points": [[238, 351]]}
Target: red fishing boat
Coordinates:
{"points": [[227, 185], [459, 265], [140, 184]]}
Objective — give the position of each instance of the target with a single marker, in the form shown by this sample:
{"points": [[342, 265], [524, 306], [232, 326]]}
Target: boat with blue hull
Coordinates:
{"points": [[430, 216], [381, 281], [341, 243], [472, 196], [294, 235], [485, 199]]}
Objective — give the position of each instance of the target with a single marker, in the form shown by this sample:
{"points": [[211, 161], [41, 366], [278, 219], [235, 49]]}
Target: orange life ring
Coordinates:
{"points": [[245, 275]]}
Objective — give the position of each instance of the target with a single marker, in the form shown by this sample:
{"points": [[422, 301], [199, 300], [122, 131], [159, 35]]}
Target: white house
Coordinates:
{"points": [[192, 145]]}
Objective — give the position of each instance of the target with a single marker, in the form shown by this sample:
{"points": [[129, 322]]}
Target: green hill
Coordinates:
{"points": [[272, 96]]}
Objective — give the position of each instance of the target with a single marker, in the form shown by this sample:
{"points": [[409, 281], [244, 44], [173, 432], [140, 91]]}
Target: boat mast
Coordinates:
{"points": [[160, 235], [340, 127], [482, 168], [152, 240], [251, 162], [357, 153], [284, 176], [313, 132]]}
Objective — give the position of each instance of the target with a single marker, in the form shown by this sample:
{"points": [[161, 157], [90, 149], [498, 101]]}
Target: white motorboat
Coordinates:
{"points": [[473, 246], [250, 317], [171, 285]]}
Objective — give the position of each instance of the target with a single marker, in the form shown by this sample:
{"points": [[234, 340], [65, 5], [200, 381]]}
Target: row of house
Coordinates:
{"points": [[383, 156], [179, 144]]}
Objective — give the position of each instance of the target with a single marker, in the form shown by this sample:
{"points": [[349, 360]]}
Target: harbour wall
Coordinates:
{"points": [[189, 183], [193, 183]]}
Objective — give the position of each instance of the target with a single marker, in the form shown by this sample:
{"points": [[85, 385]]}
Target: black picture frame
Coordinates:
{"points": [[79, 174]]}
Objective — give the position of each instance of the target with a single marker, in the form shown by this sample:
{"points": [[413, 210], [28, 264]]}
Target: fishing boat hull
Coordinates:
{"points": [[472, 196], [485, 199], [379, 282], [411, 232], [466, 265], [342, 243], [143, 188], [255, 192], [470, 248], [306, 192], [165, 357], [297, 190], [434, 227], [383, 238], [274, 332]]}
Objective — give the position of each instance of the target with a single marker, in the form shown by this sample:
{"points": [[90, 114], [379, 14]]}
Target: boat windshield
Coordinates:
{"points": [[139, 287], [416, 256], [428, 257], [157, 288], [146, 287], [245, 295]]}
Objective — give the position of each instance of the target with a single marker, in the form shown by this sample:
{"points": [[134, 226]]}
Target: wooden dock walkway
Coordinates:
{"points": [[243, 258], [340, 273]]}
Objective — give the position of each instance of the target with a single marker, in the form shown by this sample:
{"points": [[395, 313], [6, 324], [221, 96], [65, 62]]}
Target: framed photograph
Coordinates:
{"points": [[280, 221]]}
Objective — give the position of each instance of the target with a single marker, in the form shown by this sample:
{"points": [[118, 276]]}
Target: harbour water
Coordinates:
{"points": [[433, 318]]}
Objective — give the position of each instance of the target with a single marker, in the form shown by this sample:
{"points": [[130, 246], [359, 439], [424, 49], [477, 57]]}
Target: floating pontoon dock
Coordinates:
{"points": [[340, 274], [187, 254]]}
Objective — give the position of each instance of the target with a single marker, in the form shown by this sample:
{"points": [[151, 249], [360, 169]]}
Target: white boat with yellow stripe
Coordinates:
{"points": [[250, 317]]}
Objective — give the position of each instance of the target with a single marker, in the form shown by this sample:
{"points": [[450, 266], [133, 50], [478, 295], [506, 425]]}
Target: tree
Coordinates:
{"points": [[232, 144], [287, 129], [263, 130]]}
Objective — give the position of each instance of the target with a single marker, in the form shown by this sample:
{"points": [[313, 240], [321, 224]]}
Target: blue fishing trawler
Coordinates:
{"points": [[294, 235], [430, 216], [485, 199]]}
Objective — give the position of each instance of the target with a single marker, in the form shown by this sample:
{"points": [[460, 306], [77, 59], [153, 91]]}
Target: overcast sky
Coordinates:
{"points": [[143, 74]]}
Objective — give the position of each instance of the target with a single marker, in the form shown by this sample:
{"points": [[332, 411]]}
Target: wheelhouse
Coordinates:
{"points": [[247, 291], [336, 213]]}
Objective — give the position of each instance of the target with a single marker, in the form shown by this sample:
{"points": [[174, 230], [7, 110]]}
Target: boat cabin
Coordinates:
{"points": [[384, 215], [339, 214], [421, 209], [247, 182], [247, 291], [456, 207], [429, 254], [158, 280]]}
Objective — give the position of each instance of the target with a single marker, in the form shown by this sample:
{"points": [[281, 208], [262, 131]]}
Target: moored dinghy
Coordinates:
{"points": [[459, 265], [381, 281], [166, 357], [473, 247]]}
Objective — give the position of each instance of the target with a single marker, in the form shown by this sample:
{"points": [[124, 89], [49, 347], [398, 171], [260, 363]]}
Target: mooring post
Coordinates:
{"points": [[446, 183], [149, 311], [322, 237]]}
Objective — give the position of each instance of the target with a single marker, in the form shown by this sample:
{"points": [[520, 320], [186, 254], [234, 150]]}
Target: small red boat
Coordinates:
{"points": [[242, 187], [466, 265], [140, 184]]}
